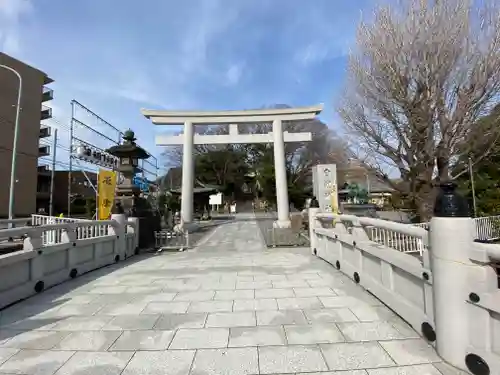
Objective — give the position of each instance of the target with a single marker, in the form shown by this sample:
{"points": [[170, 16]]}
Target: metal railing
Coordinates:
{"points": [[487, 228], [171, 240]]}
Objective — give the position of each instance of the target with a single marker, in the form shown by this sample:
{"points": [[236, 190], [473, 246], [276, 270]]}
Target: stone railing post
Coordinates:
{"points": [[119, 232], [313, 224], [34, 242], [68, 236], [358, 231], [135, 230], [450, 239], [68, 233]]}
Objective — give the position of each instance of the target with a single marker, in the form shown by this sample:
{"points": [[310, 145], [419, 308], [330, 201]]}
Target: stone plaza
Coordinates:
{"points": [[227, 306]]}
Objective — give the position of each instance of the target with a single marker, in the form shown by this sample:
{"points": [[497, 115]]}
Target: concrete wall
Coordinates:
{"points": [[29, 132], [38, 266]]}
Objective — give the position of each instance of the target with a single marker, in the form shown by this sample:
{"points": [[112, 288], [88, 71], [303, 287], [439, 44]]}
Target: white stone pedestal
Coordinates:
{"points": [[282, 224]]}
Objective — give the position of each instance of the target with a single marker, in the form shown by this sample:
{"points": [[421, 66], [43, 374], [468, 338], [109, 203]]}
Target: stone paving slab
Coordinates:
{"points": [[229, 306]]}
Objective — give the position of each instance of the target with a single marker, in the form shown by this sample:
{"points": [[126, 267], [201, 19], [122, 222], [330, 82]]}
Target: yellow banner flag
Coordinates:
{"points": [[106, 184]]}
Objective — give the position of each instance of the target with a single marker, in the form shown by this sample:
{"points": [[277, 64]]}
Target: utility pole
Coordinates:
{"points": [[71, 150], [53, 174], [473, 188]]}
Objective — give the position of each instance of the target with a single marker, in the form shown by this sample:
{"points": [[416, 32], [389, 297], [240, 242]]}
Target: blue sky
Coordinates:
{"points": [[117, 56]]}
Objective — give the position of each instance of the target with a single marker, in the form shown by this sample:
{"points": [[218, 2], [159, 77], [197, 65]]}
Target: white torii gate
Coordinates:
{"points": [[188, 139]]}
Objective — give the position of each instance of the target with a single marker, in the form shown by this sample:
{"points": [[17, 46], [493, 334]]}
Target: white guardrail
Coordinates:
{"points": [[53, 253], [450, 295], [83, 231]]}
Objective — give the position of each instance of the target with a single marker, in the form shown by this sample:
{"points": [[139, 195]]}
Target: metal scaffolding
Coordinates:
{"points": [[92, 134]]}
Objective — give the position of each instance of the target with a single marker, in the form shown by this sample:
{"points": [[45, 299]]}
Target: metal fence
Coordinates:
{"points": [[487, 227], [171, 240]]}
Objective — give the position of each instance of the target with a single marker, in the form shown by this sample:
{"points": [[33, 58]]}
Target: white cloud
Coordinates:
{"points": [[327, 37], [312, 53], [234, 73], [14, 8], [207, 23], [167, 81], [11, 11]]}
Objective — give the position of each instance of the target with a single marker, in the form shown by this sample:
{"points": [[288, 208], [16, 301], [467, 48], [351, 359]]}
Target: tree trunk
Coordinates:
{"points": [[424, 203]]}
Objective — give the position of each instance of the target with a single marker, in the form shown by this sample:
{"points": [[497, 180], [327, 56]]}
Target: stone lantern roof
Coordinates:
{"points": [[128, 148]]}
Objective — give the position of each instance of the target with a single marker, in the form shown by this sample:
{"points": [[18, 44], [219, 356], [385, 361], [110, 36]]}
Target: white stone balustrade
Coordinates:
{"points": [[448, 292], [40, 265]]}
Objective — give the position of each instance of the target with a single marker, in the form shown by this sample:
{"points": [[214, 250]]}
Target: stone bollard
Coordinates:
{"points": [[451, 238], [121, 219], [313, 224], [135, 230], [34, 242], [68, 236]]}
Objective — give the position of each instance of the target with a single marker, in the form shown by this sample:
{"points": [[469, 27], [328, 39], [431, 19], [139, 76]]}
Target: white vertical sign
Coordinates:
{"points": [[325, 187]]}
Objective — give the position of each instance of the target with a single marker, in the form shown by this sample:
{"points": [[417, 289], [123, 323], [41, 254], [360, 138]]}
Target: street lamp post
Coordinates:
{"points": [[14, 146]]}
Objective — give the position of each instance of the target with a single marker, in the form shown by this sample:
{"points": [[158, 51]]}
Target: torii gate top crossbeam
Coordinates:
{"points": [[231, 117]]}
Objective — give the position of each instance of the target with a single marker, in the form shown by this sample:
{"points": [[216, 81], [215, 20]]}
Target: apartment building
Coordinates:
{"points": [[81, 189], [29, 176]]}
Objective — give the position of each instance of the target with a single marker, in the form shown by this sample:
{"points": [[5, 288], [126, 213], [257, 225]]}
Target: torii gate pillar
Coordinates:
{"points": [[280, 176], [188, 139], [187, 173]]}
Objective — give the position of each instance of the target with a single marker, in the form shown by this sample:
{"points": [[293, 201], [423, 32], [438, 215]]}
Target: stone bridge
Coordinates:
{"points": [[228, 306]]}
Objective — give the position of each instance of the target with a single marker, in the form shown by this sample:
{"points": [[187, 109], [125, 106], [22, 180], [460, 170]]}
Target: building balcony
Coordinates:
{"points": [[43, 170], [46, 113], [47, 94], [45, 131], [43, 151], [47, 80]]}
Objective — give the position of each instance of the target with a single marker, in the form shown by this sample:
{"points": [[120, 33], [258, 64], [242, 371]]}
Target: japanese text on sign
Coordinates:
{"points": [[106, 193]]}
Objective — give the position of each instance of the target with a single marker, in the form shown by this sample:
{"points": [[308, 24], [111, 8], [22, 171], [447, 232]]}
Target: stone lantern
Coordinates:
{"points": [[127, 199], [127, 193]]}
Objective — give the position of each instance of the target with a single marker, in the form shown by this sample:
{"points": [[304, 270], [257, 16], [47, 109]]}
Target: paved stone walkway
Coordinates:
{"points": [[228, 307]]}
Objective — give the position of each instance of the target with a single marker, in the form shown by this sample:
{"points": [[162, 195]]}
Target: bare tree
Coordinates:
{"points": [[325, 148], [423, 73], [173, 154]]}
